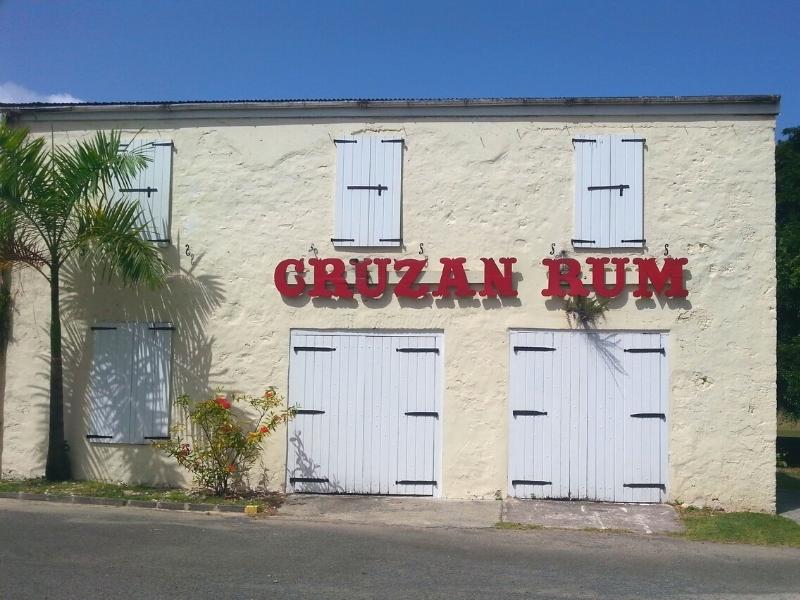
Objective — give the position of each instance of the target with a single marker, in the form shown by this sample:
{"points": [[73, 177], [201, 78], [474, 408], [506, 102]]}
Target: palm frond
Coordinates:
{"points": [[109, 235]]}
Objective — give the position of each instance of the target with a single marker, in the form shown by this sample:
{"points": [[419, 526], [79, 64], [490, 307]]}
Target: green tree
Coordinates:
{"points": [[787, 170], [57, 205]]}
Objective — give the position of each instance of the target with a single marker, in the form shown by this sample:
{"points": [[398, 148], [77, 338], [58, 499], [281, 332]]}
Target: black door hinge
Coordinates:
{"points": [[528, 413], [620, 187], [533, 349], [380, 188], [149, 190]]}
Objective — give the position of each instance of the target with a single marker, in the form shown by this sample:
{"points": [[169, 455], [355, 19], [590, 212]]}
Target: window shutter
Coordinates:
{"points": [[368, 191], [151, 188], [609, 200], [110, 383], [591, 206], [627, 168], [151, 382], [387, 172]]}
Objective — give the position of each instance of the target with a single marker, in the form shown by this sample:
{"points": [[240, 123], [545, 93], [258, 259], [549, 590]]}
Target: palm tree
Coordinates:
{"points": [[57, 205]]}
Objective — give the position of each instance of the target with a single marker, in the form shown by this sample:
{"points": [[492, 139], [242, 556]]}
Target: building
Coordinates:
{"points": [[446, 365]]}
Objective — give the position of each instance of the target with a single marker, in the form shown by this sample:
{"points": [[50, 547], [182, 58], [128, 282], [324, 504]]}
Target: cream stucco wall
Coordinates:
{"points": [[248, 193]]}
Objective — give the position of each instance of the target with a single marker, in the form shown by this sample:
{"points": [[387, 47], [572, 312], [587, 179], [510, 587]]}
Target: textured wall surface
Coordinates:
{"points": [[249, 193]]}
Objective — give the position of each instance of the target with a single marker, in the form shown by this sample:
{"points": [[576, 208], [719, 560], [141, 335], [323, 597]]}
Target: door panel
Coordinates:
{"points": [[587, 445], [352, 434]]}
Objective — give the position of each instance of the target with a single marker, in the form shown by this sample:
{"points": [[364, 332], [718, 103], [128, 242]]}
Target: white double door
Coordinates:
{"points": [[369, 413], [588, 415]]}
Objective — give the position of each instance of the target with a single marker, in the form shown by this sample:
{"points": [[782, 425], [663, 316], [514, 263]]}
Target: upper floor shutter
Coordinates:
{"points": [[609, 198], [151, 188], [368, 191], [110, 383], [151, 382]]}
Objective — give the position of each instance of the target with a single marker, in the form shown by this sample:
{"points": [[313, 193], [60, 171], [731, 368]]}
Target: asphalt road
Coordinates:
{"points": [[50, 551]]}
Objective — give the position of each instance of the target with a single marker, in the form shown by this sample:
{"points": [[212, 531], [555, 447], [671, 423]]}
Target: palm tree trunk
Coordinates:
{"points": [[58, 466]]}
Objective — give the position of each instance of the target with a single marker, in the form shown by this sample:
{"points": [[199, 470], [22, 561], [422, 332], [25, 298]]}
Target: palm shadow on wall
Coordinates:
{"points": [[188, 302], [306, 468]]}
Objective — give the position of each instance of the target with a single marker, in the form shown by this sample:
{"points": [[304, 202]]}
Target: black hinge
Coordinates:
{"points": [[163, 144], [345, 141], [335, 240], [419, 350], [313, 349], [528, 413], [166, 241], [583, 241], [415, 482], [162, 328], [396, 141], [645, 485], [530, 482], [632, 241], [649, 416], [308, 480], [620, 187], [634, 140], [533, 349], [92, 436], [102, 328], [399, 240], [380, 188], [422, 414], [646, 351], [309, 411], [156, 437], [576, 140], [148, 189]]}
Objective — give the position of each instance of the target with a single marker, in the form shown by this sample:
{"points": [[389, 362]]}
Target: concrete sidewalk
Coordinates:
{"points": [[432, 512], [789, 504]]}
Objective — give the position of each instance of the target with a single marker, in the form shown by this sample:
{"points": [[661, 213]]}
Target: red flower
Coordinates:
{"points": [[231, 468], [270, 393], [263, 429], [221, 401]]}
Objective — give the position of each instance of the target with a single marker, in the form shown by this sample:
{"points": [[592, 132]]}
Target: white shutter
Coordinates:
{"points": [[609, 186], [150, 395], [386, 207], [627, 168], [368, 191], [151, 188], [645, 456], [418, 360], [319, 368], [110, 383]]}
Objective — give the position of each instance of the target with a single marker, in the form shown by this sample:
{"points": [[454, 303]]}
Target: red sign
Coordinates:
{"points": [[329, 278], [564, 277], [371, 278]]}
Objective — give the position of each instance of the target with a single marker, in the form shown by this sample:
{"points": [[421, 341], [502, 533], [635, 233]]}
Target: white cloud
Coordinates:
{"points": [[12, 93]]}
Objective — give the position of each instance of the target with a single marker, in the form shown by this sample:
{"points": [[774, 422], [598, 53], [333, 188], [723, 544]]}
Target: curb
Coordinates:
{"points": [[153, 504]]}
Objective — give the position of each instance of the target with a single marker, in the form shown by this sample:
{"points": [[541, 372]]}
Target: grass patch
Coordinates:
{"points": [[99, 489], [788, 478], [788, 427], [516, 526], [526, 527], [739, 527]]}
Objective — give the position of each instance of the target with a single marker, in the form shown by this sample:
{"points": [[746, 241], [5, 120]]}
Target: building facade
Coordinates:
{"points": [[400, 270]]}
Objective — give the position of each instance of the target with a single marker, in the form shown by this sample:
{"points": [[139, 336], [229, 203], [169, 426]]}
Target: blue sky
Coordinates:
{"points": [[148, 50]]}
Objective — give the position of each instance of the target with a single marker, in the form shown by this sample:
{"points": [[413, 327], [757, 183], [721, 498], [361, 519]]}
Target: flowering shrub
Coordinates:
{"points": [[223, 442]]}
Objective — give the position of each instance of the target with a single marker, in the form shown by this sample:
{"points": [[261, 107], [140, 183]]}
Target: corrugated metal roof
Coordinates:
{"points": [[513, 100]]}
